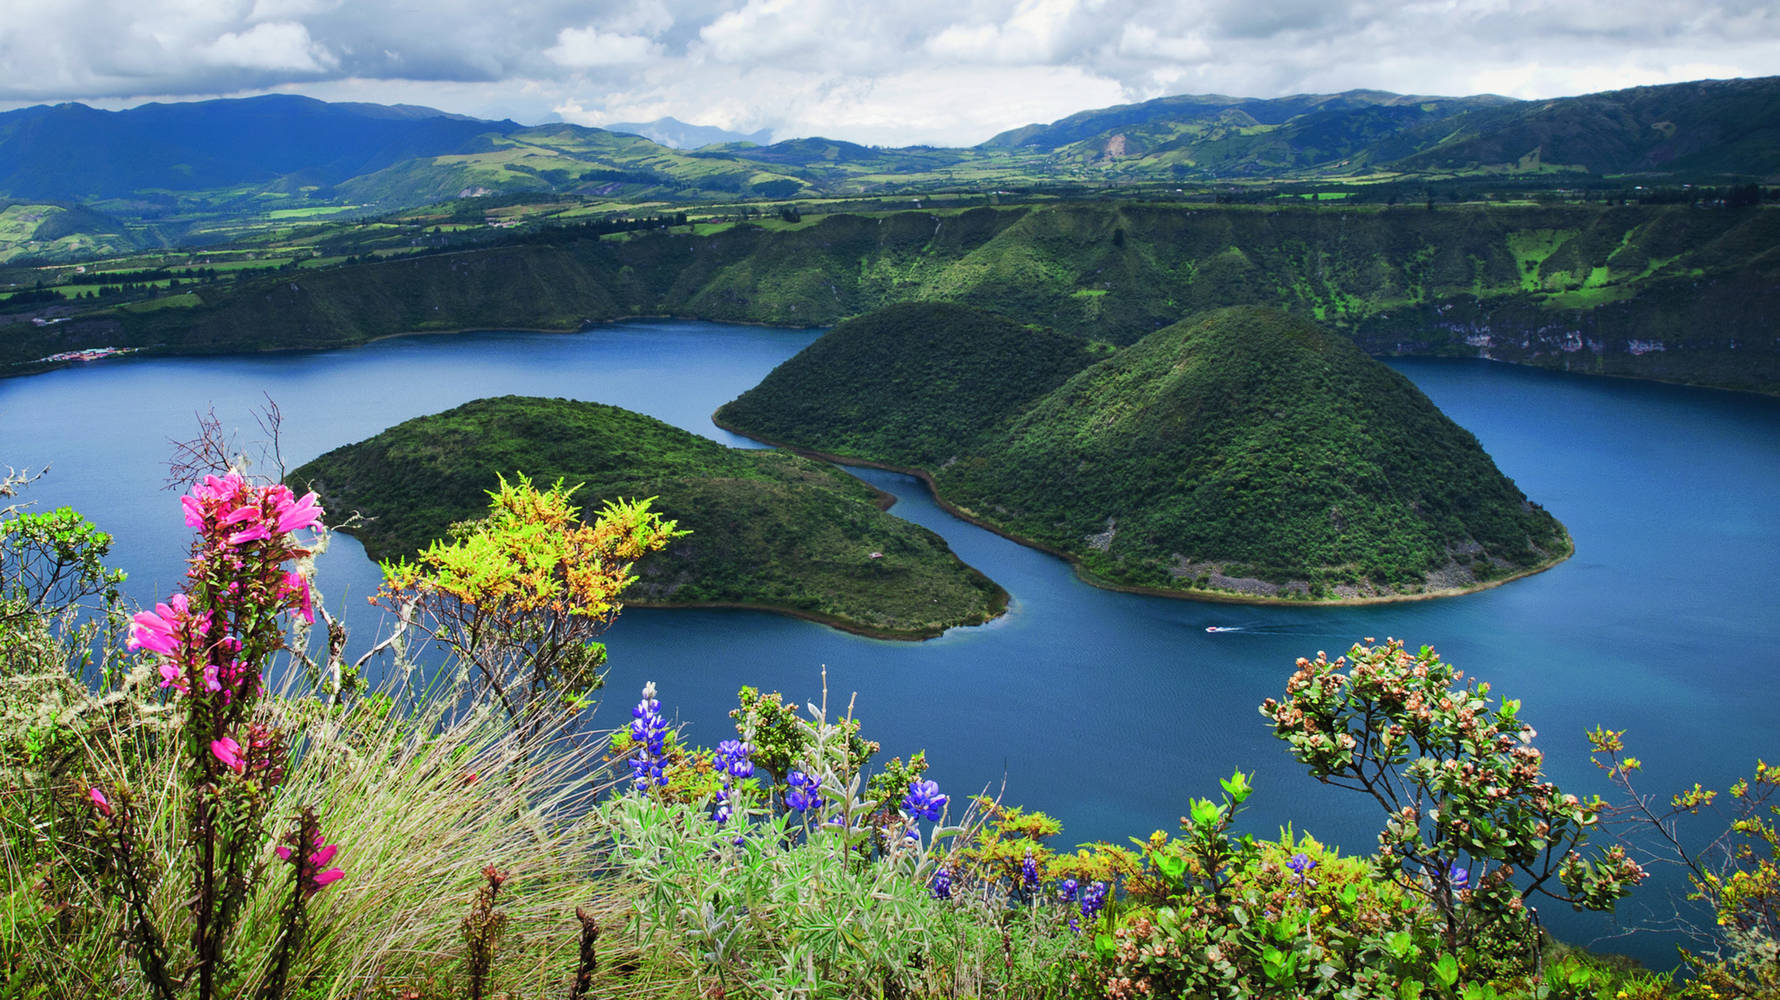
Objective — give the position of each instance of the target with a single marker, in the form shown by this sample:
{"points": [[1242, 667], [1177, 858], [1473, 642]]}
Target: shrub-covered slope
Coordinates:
{"points": [[768, 529], [909, 385], [1241, 451]]}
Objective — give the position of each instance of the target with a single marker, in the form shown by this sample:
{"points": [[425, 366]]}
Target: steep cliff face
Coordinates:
{"points": [[1677, 293]]}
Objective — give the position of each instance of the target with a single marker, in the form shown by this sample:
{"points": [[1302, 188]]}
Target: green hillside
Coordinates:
{"points": [[1240, 452], [206, 171], [769, 529], [911, 385], [1676, 292]]}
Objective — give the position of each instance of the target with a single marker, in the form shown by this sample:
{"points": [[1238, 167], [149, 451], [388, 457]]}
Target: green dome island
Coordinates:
{"points": [[769, 529], [1240, 454]]}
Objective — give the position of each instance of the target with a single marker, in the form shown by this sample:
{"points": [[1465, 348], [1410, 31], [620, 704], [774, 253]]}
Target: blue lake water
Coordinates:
{"points": [[1107, 710]]}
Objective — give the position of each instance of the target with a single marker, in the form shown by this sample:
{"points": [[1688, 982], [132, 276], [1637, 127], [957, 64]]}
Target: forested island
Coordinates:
{"points": [[1241, 453], [768, 529]]}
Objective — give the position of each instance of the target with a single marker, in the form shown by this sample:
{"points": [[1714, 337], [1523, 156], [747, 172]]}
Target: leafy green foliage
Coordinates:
{"points": [[767, 529], [522, 593]]}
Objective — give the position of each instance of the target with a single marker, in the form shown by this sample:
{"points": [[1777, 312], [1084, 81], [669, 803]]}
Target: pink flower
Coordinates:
{"points": [[99, 801], [296, 586], [247, 512], [298, 515], [324, 853], [154, 630], [229, 752], [252, 534]]}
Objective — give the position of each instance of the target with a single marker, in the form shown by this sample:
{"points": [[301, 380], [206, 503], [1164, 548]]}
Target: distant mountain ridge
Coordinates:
{"points": [[177, 166], [71, 151], [673, 132]]}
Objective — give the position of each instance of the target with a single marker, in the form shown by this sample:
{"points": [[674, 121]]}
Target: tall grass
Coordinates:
{"points": [[420, 803]]}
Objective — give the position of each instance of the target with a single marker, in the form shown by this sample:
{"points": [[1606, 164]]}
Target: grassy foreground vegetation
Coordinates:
{"points": [[1240, 452], [260, 824], [767, 529]]}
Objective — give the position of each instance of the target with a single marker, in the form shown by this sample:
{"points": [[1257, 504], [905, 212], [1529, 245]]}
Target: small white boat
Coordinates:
{"points": [[1221, 628]]}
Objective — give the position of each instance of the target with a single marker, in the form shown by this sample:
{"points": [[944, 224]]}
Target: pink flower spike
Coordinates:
{"points": [[99, 801], [194, 511], [302, 514], [229, 752], [283, 853], [325, 855], [327, 878]]}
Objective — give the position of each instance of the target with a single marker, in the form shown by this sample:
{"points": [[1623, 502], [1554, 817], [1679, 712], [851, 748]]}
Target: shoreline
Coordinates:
{"points": [[1206, 596], [22, 369], [831, 621]]}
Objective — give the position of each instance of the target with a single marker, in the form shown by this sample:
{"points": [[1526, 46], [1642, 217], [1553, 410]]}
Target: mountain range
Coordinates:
{"points": [[233, 158]]}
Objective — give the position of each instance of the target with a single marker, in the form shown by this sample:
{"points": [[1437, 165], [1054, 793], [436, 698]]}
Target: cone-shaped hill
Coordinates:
{"points": [[1245, 454], [769, 529], [909, 385]]}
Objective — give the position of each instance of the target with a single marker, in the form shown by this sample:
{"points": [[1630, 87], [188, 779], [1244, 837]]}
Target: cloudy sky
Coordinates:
{"points": [[891, 72]]}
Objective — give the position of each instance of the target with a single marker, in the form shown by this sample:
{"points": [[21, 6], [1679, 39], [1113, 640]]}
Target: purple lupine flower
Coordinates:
{"points": [[734, 759], [649, 731], [1068, 889], [801, 796], [1029, 872], [941, 886], [1093, 898], [924, 799], [1459, 877], [1301, 863], [722, 811]]}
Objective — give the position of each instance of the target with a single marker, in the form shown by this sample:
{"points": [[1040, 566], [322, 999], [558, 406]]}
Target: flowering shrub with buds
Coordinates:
{"points": [[1471, 825]]}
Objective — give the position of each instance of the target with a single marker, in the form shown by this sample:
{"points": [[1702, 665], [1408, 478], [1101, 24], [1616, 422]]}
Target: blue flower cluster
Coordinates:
{"points": [[924, 800], [1458, 877], [801, 796], [1093, 898], [1029, 872], [942, 884], [1302, 864], [733, 761], [648, 731]]}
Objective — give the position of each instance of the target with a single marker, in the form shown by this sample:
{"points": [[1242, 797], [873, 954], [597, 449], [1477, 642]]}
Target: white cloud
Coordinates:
{"points": [[903, 72], [585, 48], [272, 45]]}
